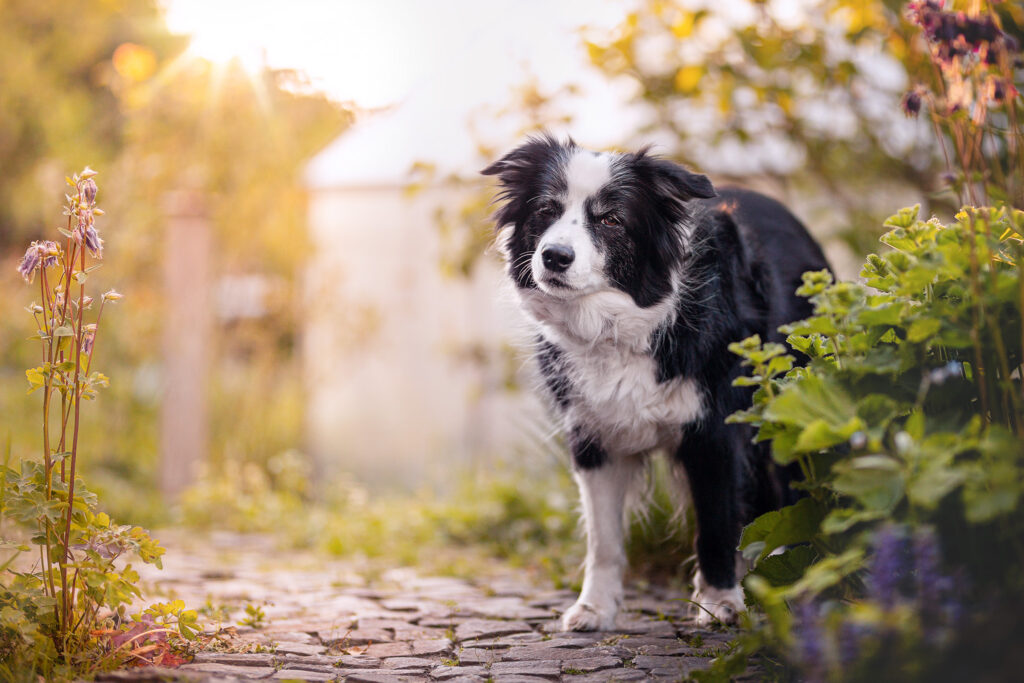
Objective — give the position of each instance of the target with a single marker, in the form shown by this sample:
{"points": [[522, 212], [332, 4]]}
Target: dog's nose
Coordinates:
{"points": [[557, 257]]}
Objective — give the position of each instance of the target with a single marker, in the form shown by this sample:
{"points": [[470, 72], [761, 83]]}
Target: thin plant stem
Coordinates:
{"points": [[74, 441]]}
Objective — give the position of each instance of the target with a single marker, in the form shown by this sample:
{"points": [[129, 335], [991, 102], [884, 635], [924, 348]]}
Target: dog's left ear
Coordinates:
{"points": [[673, 179]]}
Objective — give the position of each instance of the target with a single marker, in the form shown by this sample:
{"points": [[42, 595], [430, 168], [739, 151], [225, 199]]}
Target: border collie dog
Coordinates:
{"points": [[637, 275]]}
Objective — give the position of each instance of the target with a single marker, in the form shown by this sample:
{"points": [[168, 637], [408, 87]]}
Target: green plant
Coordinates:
{"points": [[894, 420], [254, 616], [57, 616], [907, 419]]}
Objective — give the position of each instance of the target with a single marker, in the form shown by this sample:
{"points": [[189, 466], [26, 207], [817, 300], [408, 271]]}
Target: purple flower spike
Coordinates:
{"points": [[851, 636], [809, 635], [889, 566]]}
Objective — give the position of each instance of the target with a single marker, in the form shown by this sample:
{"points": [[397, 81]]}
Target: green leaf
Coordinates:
{"points": [[826, 573], [843, 519], [904, 218], [819, 435], [809, 399], [796, 523], [35, 376], [787, 567], [875, 481], [922, 329]]}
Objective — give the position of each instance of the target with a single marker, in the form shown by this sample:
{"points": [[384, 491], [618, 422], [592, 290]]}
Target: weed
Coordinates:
{"points": [[254, 616]]}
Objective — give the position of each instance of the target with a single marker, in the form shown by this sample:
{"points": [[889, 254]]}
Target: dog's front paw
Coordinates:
{"points": [[585, 617], [718, 605]]}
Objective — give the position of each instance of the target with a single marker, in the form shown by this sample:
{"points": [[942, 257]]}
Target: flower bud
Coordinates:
{"points": [[87, 341], [112, 295], [88, 190]]}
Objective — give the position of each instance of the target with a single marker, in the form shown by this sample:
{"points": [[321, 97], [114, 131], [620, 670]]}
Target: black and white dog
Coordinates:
{"points": [[637, 276]]}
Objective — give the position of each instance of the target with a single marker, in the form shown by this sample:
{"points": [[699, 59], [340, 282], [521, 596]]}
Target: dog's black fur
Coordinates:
{"points": [[727, 263]]}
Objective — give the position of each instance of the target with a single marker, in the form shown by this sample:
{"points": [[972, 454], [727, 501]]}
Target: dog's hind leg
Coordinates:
{"points": [[603, 490]]}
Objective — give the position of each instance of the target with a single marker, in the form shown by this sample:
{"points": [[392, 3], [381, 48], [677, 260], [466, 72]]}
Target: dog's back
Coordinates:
{"points": [[779, 241]]}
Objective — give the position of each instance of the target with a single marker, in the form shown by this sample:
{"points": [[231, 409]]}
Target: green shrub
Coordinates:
{"points": [[909, 411], [907, 418]]}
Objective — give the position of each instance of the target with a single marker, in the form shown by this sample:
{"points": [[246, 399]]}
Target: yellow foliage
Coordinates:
{"points": [[688, 78], [683, 26]]}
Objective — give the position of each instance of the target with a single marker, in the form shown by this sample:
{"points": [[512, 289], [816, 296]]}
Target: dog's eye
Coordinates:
{"points": [[610, 221], [547, 211]]}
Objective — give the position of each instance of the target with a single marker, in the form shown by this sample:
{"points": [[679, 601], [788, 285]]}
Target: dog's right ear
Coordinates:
{"points": [[515, 166]]}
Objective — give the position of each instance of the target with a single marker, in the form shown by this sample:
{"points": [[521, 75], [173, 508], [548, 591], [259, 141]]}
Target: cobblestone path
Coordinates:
{"points": [[326, 621]]}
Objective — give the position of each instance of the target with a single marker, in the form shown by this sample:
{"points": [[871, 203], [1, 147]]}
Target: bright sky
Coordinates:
{"points": [[377, 52], [441, 60]]}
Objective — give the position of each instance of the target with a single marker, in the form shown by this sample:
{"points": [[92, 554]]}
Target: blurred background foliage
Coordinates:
{"points": [[103, 82]]}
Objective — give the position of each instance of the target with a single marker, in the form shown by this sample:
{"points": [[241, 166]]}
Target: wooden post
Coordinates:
{"points": [[186, 341]]}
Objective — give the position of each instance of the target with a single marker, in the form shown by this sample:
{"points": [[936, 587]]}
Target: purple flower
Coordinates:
{"points": [[851, 635], [889, 566], [88, 190], [809, 636], [34, 256], [93, 242], [936, 591], [50, 253]]}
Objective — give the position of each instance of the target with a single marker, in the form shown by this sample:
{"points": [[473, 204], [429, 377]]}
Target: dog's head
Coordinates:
{"points": [[578, 222]]}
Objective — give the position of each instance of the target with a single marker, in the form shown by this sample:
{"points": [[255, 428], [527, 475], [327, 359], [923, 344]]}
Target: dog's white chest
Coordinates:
{"points": [[616, 395], [619, 398]]}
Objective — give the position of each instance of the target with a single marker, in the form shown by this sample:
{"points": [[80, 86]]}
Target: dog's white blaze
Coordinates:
{"points": [[585, 174]]}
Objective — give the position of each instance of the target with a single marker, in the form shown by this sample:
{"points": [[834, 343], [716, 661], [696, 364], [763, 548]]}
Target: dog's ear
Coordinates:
{"points": [[672, 179], [515, 166], [519, 173]]}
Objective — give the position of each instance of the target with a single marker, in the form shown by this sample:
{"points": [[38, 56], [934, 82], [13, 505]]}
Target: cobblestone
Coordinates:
{"points": [[325, 621]]}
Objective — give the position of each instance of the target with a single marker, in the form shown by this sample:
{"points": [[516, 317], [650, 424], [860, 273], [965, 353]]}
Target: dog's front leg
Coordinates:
{"points": [[603, 483]]}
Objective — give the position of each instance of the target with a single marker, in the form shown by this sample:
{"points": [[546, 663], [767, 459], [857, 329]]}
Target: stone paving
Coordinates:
{"points": [[330, 620]]}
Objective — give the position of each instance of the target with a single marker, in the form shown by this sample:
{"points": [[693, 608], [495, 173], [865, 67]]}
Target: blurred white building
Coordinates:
{"points": [[397, 394]]}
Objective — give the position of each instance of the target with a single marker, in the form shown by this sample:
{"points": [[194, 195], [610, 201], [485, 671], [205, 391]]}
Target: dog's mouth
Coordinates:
{"points": [[557, 287], [557, 282]]}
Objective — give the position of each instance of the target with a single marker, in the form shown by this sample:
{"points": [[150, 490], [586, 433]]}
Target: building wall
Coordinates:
{"points": [[397, 393]]}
